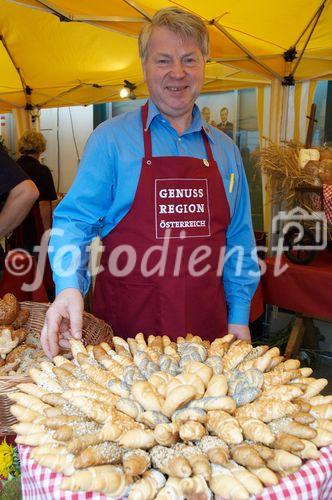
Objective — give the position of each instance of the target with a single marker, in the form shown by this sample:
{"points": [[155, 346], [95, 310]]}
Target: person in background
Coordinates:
{"points": [[29, 233], [17, 195], [224, 125], [139, 174], [31, 145], [206, 115]]}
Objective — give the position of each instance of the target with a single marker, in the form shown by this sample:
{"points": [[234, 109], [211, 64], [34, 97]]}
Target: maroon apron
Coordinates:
{"points": [[180, 211]]}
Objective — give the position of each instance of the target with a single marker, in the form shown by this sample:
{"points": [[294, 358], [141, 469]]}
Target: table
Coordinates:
{"points": [[304, 289], [313, 481], [22, 268]]}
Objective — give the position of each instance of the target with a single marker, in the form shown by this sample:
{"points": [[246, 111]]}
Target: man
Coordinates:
{"points": [[225, 125], [28, 235], [206, 115], [156, 182], [17, 194]]}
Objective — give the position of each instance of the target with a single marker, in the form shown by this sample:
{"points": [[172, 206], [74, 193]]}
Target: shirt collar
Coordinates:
{"points": [[196, 125], [152, 113], [29, 158]]}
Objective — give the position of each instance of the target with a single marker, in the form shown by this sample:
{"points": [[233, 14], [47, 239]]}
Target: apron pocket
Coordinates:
{"points": [[135, 308], [206, 312]]}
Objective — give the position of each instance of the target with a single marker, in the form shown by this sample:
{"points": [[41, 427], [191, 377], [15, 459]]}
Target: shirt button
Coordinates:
{"points": [[179, 139]]}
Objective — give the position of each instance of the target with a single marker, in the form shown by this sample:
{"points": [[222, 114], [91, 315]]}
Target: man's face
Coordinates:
{"points": [[174, 72], [206, 114], [224, 115]]}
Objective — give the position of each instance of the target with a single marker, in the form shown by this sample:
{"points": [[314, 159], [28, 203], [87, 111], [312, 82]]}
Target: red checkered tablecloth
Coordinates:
{"points": [[327, 192], [327, 200], [40, 483], [312, 482]]}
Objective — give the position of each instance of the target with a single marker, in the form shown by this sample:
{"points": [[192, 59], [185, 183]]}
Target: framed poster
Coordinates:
{"points": [[220, 110]]}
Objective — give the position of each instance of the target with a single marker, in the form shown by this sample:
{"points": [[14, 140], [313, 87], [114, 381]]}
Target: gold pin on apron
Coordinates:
{"points": [[231, 182], [206, 163]]}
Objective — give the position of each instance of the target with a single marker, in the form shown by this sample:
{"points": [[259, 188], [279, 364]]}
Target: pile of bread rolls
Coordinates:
{"points": [[19, 347], [158, 419], [12, 333]]}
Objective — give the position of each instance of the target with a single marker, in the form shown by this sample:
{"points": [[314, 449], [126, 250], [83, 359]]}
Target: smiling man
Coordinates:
{"points": [[162, 271]]}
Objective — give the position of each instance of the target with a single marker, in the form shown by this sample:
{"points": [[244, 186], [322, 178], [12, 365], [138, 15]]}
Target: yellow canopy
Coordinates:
{"points": [[66, 52]]}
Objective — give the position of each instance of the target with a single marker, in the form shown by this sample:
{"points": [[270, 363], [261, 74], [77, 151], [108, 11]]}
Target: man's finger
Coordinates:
{"points": [[243, 336], [44, 341], [65, 326], [76, 322], [64, 343], [53, 322], [66, 335], [240, 331]]}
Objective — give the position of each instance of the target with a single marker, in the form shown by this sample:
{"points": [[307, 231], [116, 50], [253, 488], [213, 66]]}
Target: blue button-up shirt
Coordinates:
{"points": [[104, 189]]}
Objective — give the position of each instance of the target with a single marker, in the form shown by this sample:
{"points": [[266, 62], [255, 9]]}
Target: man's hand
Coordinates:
{"points": [[240, 331], [63, 321]]}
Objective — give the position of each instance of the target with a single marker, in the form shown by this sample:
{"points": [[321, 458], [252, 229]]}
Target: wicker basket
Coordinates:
{"points": [[94, 331]]}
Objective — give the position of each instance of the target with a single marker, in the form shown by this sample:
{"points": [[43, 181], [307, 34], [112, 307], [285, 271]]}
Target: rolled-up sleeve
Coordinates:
{"points": [[80, 215], [241, 270]]}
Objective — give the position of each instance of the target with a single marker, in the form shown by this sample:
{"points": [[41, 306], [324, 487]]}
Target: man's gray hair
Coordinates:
{"points": [[179, 21]]}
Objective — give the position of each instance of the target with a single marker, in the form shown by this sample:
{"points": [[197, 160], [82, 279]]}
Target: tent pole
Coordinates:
{"points": [[138, 9], [64, 16], [251, 71], [107, 19], [318, 58], [326, 76], [10, 103], [102, 100], [69, 91], [284, 113], [245, 50], [277, 117], [214, 79], [108, 28], [21, 121], [13, 61], [275, 111], [65, 102], [242, 58], [66, 92], [281, 99], [23, 82], [318, 14]]}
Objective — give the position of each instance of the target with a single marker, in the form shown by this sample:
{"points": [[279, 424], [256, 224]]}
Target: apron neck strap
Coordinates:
{"points": [[146, 132], [147, 136], [207, 145]]}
